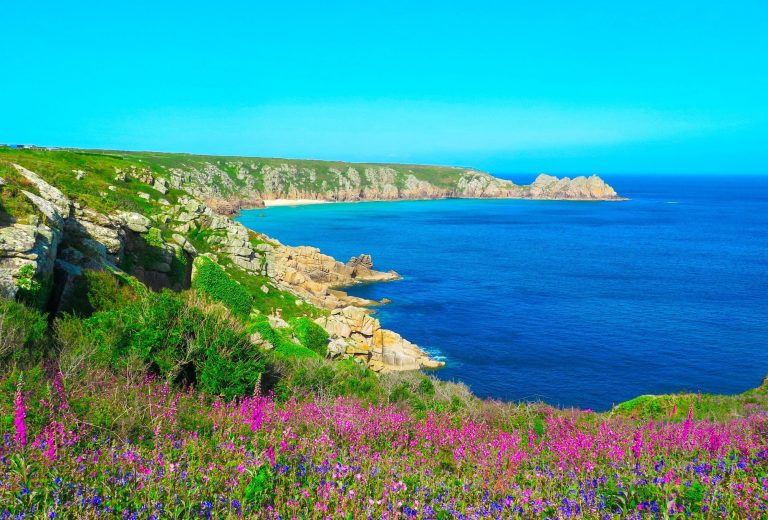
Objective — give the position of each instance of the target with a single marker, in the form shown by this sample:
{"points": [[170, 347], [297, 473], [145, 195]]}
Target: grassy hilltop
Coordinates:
{"points": [[157, 360]]}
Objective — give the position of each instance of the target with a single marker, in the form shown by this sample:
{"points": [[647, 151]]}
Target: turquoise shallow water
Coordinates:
{"points": [[574, 303]]}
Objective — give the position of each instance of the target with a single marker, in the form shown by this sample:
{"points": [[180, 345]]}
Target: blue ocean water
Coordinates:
{"points": [[574, 303]]}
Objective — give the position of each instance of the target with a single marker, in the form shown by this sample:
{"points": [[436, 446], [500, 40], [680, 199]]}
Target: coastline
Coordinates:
{"points": [[293, 202], [268, 203]]}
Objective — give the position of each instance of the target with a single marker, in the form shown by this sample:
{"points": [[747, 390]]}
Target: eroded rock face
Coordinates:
{"points": [[314, 275], [578, 188], [22, 245], [355, 333], [29, 249], [66, 238], [231, 206], [357, 182]]}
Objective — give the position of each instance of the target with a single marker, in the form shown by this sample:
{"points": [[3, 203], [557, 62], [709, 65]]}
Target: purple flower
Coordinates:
{"points": [[20, 415]]}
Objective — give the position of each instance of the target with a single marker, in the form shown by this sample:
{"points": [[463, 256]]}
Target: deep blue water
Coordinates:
{"points": [[575, 303]]}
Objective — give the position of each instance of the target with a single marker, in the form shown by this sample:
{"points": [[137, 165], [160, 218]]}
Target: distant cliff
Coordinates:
{"points": [[229, 184]]}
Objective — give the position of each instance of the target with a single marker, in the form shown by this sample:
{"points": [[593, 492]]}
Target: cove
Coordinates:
{"points": [[573, 303]]}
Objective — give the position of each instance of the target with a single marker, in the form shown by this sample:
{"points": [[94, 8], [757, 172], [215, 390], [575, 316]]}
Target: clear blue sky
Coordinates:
{"points": [[556, 86]]}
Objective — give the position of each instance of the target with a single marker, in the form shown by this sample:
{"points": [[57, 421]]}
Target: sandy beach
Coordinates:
{"points": [[292, 202]]}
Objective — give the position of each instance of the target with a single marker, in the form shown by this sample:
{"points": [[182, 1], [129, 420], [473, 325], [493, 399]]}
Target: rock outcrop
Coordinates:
{"points": [[355, 333], [231, 206], [311, 276], [62, 239], [578, 188]]}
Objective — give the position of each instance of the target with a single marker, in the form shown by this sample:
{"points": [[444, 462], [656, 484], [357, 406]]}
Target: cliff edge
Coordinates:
{"points": [[228, 184], [127, 220]]}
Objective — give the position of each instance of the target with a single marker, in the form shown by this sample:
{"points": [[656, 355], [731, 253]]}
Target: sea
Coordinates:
{"points": [[576, 304]]}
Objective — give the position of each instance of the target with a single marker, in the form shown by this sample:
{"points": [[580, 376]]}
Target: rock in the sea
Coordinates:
{"points": [[355, 333], [363, 261], [578, 188]]}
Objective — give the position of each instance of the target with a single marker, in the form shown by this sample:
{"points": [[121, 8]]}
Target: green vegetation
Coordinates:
{"points": [[311, 335], [274, 298], [210, 279], [101, 181], [23, 334], [109, 180], [14, 205], [702, 406]]}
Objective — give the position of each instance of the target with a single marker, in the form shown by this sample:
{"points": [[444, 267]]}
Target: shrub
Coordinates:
{"points": [[74, 344], [311, 335], [22, 333], [154, 238], [291, 349], [30, 290], [175, 336], [185, 344], [98, 291], [229, 365], [214, 282], [260, 324]]}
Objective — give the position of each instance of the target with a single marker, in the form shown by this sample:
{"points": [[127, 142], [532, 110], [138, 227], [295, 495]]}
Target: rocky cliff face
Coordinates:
{"points": [[224, 183], [54, 245], [62, 238], [578, 188]]}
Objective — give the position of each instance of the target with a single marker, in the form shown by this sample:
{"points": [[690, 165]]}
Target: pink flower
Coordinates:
{"points": [[20, 416]]}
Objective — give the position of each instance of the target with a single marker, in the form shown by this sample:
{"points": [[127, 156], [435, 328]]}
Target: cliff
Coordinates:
{"points": [[228, 184], [153, 216], [128, 221], [257, 181]]}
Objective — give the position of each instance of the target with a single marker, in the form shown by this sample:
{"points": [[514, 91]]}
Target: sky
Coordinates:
{"points": [[549, 86]]}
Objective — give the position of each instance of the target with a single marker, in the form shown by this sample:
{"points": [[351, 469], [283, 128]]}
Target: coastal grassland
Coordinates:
{"points": [[144, 403], [241, 173], [60, 168], [442, 176], [702, 406], [290, 306], [14, 205]]}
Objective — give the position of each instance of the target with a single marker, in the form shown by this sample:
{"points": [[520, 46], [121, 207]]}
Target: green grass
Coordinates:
{"points": [[701, 406], [274, 298], [311, 335], [58, 166], [211, 280], [14, 205]]}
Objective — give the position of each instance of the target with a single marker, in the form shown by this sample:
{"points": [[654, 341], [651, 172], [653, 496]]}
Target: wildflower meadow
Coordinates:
{"points": [[260, 457]]}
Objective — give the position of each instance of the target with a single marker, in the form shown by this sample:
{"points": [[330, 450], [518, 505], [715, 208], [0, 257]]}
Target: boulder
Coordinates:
{"points": [[185, 244], [47, 192], [161, 185], [134, 221], [362, 261]]}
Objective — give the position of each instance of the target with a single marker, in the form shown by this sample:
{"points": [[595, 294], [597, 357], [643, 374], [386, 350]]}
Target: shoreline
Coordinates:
{"points": [[293, 202], [268, 203]]}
